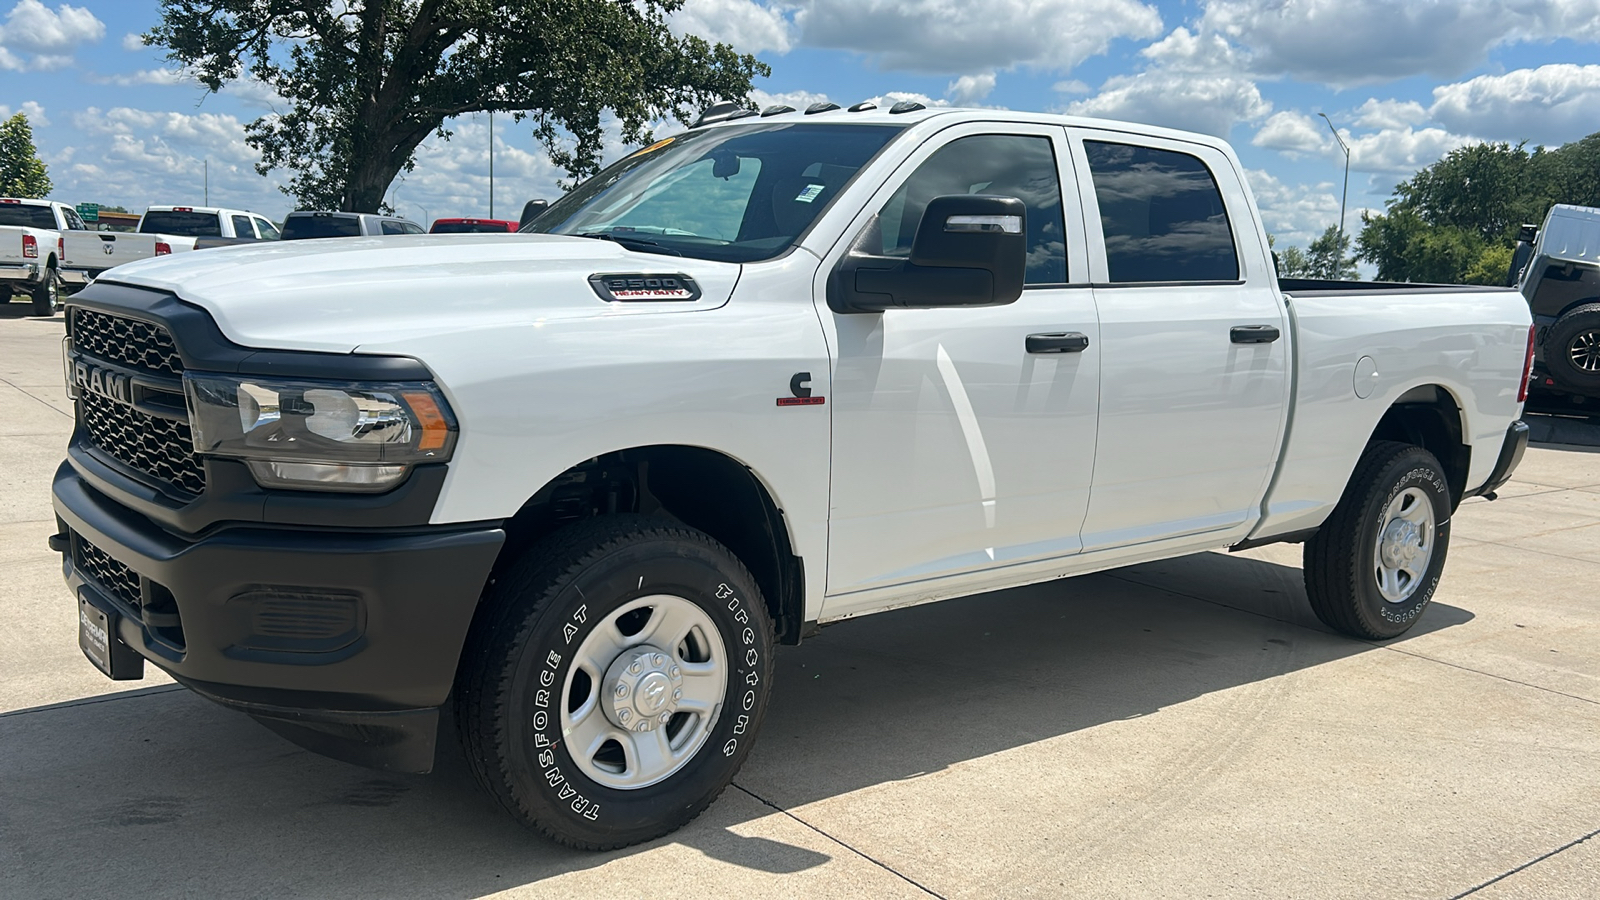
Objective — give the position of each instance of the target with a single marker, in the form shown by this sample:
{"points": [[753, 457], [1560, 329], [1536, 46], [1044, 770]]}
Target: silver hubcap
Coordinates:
{"points": [[644, 691], [1584, 351], [1405, 545]]}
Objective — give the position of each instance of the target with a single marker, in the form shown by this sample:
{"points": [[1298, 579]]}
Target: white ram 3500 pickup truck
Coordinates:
{"points": [[31, 242], [574, 485]]}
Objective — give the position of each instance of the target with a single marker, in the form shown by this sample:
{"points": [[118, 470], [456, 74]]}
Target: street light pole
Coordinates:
{"points": [[1346, 192], [491, 163]]}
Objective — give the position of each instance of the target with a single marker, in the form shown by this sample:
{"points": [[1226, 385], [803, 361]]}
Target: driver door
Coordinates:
{"points": [[955, 449]]}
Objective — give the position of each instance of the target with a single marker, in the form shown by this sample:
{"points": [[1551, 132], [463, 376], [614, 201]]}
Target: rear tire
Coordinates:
{"points": [[46, 294], [1372, 568], [1572, 350], [614, 680]]}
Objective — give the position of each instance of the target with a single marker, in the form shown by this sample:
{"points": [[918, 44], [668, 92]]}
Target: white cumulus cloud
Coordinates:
{"points": [[747, 26], [1401, 151], [1211, 104], [1347, 42], [969, 90], [1551, 104], [1293, 133], [1380, 114], [36, 38], [963, 37]]}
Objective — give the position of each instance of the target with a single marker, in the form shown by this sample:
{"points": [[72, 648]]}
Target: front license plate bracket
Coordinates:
{"points": [[97, 638]]}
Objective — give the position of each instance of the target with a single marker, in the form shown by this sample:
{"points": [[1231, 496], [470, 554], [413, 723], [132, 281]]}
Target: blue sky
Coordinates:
{"points": [[1404, 80]]}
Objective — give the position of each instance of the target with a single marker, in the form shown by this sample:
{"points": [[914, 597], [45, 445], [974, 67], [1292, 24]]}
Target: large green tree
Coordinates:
{"points": [[366, 81], [1456, 220], [22, 173]]}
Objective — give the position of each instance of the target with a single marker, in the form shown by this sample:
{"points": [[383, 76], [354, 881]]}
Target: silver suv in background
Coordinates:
{"points": [[324, 224]]}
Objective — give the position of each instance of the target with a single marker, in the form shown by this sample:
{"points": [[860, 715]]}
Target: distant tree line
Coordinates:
{"points": [[1456, 221]]}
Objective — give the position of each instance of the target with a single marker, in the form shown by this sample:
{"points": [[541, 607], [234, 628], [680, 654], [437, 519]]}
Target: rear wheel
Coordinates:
{"points": [[614, 682], [1572, 350], [1372, 568], [46, 294]]}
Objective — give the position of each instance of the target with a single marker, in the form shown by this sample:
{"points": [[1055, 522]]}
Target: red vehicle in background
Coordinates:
{"points": [[472, 226]]}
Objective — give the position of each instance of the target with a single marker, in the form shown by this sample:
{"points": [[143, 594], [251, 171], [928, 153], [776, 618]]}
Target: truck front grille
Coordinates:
{"points": [[107, 574], [160, 448], [157, 447], [129, 342]]}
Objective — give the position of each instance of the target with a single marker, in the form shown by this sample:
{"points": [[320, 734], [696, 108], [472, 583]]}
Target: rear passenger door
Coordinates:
{"points": [[1193, 392]]}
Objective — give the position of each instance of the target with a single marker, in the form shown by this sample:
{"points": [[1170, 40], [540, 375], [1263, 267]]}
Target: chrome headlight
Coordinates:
{"points": [[320, 435]]}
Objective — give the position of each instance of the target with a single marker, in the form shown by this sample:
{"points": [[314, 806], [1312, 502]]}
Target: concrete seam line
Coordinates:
{"points": [[1532, 862], [1373, 644], [768, 803], [24, 391], [90, 701]]}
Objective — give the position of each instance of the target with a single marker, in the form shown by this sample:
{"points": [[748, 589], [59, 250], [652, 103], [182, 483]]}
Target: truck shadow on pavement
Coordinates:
{"points": [[162, 793]]}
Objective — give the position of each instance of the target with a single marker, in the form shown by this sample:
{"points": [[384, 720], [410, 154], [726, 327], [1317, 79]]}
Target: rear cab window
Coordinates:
{"points": [[321, 226], [27, 215], [1162, 216], [185, 223]]}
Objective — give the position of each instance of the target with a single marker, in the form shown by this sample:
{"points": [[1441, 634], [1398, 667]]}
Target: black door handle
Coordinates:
{"points": [[1058, 342], [1254, 334]]}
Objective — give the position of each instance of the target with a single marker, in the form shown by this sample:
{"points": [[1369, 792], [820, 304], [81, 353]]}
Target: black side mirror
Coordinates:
{"points": [[530, 211], [969, 250], [1521, 253]]}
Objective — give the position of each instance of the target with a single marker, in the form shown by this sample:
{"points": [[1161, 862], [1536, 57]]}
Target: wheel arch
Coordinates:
{"points": [[702, 488], [1432, 417]]}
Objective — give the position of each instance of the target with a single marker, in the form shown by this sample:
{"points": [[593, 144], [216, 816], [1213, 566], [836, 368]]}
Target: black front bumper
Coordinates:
{"points": [[344, 641]]}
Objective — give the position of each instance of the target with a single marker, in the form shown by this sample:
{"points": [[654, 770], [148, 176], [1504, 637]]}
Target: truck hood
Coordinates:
{"points": [[336, 294]]}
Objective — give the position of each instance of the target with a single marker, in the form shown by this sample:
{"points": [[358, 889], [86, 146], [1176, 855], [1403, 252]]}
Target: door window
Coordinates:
{"points": [[241, 227], [1003, 165], [267, 230], [1162, 215], [74, 223]]}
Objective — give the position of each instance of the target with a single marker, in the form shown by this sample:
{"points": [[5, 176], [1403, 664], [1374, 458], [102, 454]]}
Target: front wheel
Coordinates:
{"points": [[614, 681], [1372, 568], [46, 295]]}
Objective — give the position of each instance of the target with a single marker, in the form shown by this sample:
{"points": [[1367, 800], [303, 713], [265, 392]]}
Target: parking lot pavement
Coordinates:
{"points": [[1181, 728]]}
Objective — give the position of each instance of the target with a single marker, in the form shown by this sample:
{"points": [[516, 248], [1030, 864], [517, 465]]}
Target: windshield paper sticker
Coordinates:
{"points": [[646, 287], [809, 194]]}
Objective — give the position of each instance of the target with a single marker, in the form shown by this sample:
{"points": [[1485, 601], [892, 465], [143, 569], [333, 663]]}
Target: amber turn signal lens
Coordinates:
{"points": [[435, 430]]}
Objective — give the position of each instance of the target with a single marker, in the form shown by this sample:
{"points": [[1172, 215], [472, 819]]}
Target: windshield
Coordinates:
{"points": [[27, 216], [736, 194], [185, 224]]}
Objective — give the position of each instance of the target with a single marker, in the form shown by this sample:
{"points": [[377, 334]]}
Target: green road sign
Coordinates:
{"points": [[89, 212]]}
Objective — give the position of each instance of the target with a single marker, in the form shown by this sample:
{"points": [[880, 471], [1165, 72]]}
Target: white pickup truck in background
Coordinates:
{"points": [[164, 230], [573, 486], [31, 249]]}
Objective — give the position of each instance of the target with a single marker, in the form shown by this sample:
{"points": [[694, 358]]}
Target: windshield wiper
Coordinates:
{"points": [[632, 243]]}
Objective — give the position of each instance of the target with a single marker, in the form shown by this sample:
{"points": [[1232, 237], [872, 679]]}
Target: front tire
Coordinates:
{"points": [[1372, 568], [614, 681], [46, 294]]}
